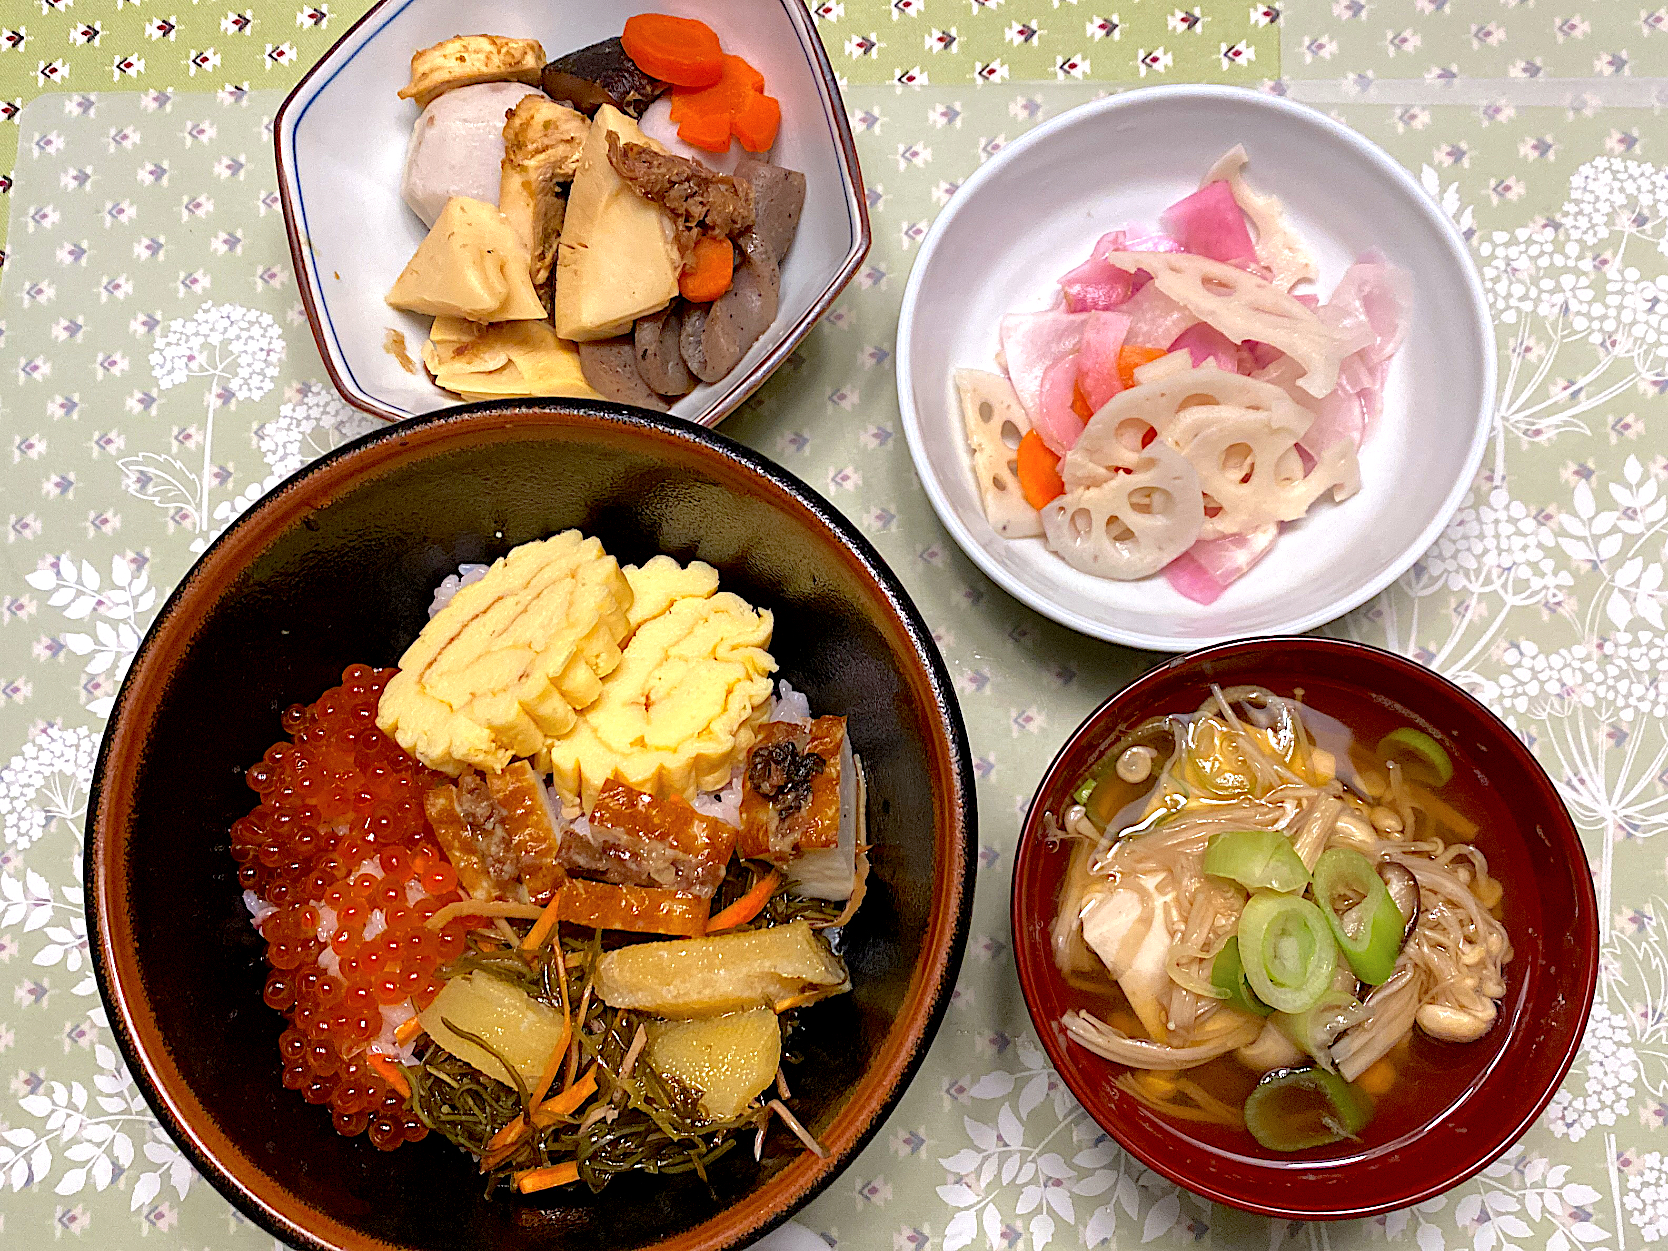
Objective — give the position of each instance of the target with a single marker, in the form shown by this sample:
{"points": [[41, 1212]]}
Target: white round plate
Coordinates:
{"points": [[1034, 211]]}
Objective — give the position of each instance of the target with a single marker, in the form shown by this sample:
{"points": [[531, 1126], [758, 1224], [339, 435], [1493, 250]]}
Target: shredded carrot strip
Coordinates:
{"points": [[390, 1073], [748, 906], [511, 1133], [407, 1030], [566, 1103], [553, 1066], [546, 922], [546, 1178]]}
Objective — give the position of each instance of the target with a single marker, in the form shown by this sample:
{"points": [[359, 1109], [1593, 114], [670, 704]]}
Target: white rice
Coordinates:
{"points": [[455, 582], [789, 705], [724, 804]]}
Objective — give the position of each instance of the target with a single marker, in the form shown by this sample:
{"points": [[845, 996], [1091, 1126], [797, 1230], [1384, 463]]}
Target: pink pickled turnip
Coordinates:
{"points": [[1097, 283], [1209, 223], [1207, 568], [1056, 421], [1154, 318], [1097, 359], [1145, 241], [1208, 345], [1031, 342]]}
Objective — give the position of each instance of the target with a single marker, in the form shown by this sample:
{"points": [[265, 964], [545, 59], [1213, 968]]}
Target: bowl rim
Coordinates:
{"points": [[1206, 1182], [311, 287], [1110, 629], [142, 1045]]}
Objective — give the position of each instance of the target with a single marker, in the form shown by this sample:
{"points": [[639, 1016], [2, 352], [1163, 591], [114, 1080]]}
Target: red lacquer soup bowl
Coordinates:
{"points": [[1469, 1103]]}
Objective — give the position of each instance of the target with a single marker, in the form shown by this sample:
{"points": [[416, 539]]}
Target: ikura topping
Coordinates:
{"points": [[341, 854]]}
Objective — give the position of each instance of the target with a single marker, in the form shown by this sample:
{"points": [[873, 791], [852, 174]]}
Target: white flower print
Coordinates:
{"points": [[1496, 547], [312, 421], [1611, 1073], [120, 610], [238, 351], [97, 1141], [1572, 283], [46, 782], [1646, 1199]]}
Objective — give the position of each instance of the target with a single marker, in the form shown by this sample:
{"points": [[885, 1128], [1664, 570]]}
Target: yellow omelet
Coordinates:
{"points": [[507, 664], [682, 708]]}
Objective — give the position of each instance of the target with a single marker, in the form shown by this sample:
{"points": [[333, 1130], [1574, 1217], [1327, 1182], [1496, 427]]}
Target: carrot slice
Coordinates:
{"points": [[705, 115], [1039, 471], [677, 50], [748, 906], [710, 134], [710, 270], [1132, 358], [755, 124], [546, 1178], [1080, 402]]}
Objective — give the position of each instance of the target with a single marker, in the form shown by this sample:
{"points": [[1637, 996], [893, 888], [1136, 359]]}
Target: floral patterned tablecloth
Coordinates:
{"points": [[158, 376]]}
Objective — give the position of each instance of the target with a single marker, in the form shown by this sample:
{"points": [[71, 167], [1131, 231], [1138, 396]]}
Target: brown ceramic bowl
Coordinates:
{"points": [[336, 567], [1497, 1086]]}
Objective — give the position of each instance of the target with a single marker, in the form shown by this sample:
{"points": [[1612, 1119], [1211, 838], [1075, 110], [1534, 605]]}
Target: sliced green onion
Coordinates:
{"points": [[1228, 974], [1364, 918], [1086, 787], [1295, 1109], [1315, 1029], [1421, 745], [1257, 860], [1287, 949]]}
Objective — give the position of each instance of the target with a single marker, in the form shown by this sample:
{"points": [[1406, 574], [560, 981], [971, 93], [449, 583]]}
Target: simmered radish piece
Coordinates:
{"points": [[727, 1059], [518, 1027], [726, 973]]}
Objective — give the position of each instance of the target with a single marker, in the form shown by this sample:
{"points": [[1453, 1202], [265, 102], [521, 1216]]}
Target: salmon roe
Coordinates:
{"points": [[341, 850]]}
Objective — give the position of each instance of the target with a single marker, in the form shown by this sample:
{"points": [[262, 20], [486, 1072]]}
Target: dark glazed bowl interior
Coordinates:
{"points": [[1427, 1144], [337, 566]]}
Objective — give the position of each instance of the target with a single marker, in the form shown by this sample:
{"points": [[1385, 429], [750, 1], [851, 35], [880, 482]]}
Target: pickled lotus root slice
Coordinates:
{"points": [[995, 422], [1250, 471], [1278, 246], [506, 665], [1132, 524], [1243, 306], [1115, 436]]}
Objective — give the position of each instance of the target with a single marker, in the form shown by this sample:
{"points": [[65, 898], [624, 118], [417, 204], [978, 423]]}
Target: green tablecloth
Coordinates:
{"points": [[142, 213]]}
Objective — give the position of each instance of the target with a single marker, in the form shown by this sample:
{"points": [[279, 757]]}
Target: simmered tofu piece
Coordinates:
{"points": [[791, 800], [725, 973], [464, 60], [726, 1060]]}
